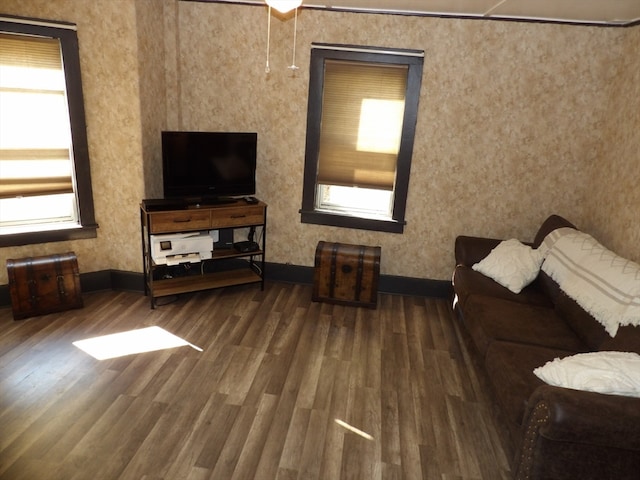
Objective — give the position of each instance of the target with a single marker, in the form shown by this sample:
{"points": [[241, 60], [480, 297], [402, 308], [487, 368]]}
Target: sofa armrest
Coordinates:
{"points": [[589, 417], [576, 434], [470, 250]]}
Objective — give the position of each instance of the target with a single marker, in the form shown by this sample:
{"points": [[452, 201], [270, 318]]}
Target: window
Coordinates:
{"points": [[363, 105], [45, 181]]}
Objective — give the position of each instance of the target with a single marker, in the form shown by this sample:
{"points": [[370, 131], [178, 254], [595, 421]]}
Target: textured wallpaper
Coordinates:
{"points": [[151, 64], [516, 121], [613, 196]]}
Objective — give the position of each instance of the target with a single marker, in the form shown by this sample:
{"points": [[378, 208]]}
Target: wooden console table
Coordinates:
{"points": [[227, 267]]}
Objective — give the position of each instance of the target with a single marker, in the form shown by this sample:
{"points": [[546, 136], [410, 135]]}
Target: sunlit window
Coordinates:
{"points": [[380, 126], [356, 201], [45, 184], [379, 131], [35, 134], [360, 127]]}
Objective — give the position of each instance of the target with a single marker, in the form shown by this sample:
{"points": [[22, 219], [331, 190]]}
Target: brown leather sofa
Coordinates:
{"points": [[554, 432]]}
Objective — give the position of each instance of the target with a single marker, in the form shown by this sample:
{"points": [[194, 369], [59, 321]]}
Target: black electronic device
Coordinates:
{"points": [[225, 239], [208, 167], [251, 200], [246, 247]]}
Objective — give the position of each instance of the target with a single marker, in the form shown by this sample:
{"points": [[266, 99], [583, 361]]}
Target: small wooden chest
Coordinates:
{"points": [[346, 274], [47, 284]]}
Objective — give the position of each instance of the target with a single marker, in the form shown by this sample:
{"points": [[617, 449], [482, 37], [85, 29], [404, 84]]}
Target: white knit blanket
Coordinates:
{"points": [[603, 283]]}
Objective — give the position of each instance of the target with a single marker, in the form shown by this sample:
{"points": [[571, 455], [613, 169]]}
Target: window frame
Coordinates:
{"points": [[414, 59], [67, 34]]}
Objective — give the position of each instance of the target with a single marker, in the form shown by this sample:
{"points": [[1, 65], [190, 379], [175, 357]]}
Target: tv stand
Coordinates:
{"points": [[212, 201], [226, 267]]}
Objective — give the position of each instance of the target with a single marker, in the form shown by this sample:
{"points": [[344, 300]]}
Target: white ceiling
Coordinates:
{"points": [[610, 12]]}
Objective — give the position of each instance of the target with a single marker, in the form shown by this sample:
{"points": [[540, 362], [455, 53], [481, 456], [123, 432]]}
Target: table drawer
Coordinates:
{"points": [[179, 221], [238, 216]]}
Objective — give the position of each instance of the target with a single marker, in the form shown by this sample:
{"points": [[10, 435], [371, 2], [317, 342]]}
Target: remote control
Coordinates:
{"points": [[251, 199]]}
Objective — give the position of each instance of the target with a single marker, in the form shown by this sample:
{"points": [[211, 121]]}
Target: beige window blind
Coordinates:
{"points": [[31, 52], [35, 157], [362, 112]]}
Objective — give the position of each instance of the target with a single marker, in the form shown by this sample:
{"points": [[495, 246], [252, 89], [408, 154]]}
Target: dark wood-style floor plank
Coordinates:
{"points": [[277, 387]]}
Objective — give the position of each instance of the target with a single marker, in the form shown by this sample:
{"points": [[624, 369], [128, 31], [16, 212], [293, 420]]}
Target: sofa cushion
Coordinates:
{"points": [[602, 282], [489, 319], [469, 250], [626, 340], [510, 369], [512, 264], [467, 282]]}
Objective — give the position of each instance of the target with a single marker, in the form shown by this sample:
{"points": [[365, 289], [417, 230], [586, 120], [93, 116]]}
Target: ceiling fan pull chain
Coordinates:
{"points": [[295, 37], [267, 69]]}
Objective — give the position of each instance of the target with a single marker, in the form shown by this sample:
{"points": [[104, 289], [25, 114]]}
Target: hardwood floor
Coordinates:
{"points": [[283, 388]]}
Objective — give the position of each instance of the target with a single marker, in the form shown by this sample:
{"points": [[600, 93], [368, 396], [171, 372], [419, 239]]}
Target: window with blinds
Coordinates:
{"points": [[39, 181], [362, 112], [34, 122], [360, 128]]}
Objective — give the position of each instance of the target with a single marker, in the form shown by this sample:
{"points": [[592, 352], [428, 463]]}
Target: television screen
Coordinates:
{"points": [[208, 165]]}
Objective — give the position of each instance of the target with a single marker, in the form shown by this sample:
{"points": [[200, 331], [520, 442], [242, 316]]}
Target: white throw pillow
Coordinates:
{"points": [[512, 264], [615, 373]]}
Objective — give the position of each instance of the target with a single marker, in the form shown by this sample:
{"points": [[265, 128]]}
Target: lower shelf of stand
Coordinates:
{"points": [[193, 283]]}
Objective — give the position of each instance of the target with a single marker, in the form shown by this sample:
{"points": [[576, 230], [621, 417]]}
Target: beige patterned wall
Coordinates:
{"points": [[109, 60], [516, 121], [511, 123], [151, 61], [613, 196]]}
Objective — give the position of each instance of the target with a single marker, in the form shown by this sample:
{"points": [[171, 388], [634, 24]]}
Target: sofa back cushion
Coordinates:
{"points": [[601, 282], [548, 226], [587, 328], [590, 331], [549, 286], [626, 340]]}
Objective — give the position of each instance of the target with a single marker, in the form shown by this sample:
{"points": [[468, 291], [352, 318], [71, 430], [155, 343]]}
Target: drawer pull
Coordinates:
{"points": [[178, 220], [238, 216]]}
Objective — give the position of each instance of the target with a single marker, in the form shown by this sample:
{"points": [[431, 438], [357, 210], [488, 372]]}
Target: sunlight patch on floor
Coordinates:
{"points": [[131, 342], [353, 429]]}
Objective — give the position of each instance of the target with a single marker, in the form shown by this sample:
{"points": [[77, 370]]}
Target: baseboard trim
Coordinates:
{"points": [[112, 280], [95, 282], [418, 287], [133, 281]]}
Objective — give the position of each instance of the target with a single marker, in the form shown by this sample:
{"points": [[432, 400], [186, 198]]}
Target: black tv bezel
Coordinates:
{"points": [[205, 193]]}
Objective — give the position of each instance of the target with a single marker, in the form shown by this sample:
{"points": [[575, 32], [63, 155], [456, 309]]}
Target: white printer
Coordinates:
{"points": [[176, 248]]}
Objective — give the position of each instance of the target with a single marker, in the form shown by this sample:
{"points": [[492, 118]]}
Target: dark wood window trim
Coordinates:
{"points": [[67, 34], [415, 61]]}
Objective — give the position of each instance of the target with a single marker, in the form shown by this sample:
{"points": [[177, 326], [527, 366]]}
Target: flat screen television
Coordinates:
{"points": [[208, 166]]}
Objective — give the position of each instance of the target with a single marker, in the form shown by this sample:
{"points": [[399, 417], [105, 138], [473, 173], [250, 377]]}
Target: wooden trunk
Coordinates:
{"points": [[346, 274], [47, 284]]}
